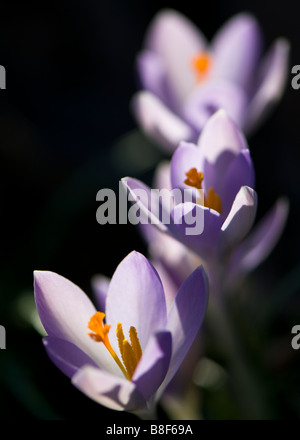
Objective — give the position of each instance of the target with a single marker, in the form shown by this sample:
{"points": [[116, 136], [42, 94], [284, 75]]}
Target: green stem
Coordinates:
{"points": [[248, 390]]}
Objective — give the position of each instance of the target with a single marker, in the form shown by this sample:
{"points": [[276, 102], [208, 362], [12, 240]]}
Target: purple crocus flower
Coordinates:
{"points": [[185, 80], [220, 164], [126, 361], [178, 388], [175, 262], [221, 167]]}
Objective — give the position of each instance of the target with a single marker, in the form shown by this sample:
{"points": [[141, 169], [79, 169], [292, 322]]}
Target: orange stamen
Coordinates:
{"points": [[212, 199], [130, 352], [201, 64], [194, 178]]}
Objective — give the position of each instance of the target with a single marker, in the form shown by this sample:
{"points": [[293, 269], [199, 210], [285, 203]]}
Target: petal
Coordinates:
{"points": [[212, 96], [162, 176], [100, 285], [237, 48], [239, 173], [136, 298], [154, 364], [169, 283], [197, 227], [240, 218], [185, 223], [177, 41], [113, 392], [58, 302], [173, 261], [66, 356], [186, 316], [159, 122], [273, 76], [255, 248], [226, 176], [186, 156], [221, 134], [152, 75], [154, 209], [65, 311]]}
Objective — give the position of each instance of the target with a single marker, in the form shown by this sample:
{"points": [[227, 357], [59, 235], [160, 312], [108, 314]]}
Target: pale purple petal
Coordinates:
{"points": [[153, 366], [177, 40], [113, 392], [186, 316], [177, 387], [239, 173], [161, 177], [159, 122], [272, 76], [192, 224], [255, 248], [65, 312], [221, 134], [152, 75], [154, 209], [227, 175], [240, 218], [197, 227], [212, 96], [100, 285], [186, 156], [136, 298], [63, 307], [66, 356], [237, 48], [170, 284], [173, 261]]}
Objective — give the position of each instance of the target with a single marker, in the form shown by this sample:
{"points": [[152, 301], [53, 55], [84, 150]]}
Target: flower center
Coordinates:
{"points": [[201, 64], [194, 178], [131, 352], [211, 199]]}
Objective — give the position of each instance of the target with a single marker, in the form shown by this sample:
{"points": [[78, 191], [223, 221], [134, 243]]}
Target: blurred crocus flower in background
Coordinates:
{"points": [[122, 374], [220, 166], [184, 80]]}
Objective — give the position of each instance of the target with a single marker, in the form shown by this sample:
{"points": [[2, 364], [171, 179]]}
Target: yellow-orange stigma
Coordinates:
{"points": [[100, 331], [130, 352], [211, 199], [194, 178], [201, 63]]}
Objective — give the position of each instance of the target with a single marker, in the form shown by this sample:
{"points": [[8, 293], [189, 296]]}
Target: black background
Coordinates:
{"points": [[70, 77]]}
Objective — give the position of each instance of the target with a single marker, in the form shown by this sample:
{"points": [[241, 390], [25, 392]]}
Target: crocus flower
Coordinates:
{"points": [[178, 387], [122, 357], [175, 262], [184, 79], [220, 165]]}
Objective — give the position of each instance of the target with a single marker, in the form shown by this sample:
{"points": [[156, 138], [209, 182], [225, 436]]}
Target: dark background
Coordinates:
{"points": [[70, 77]]}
